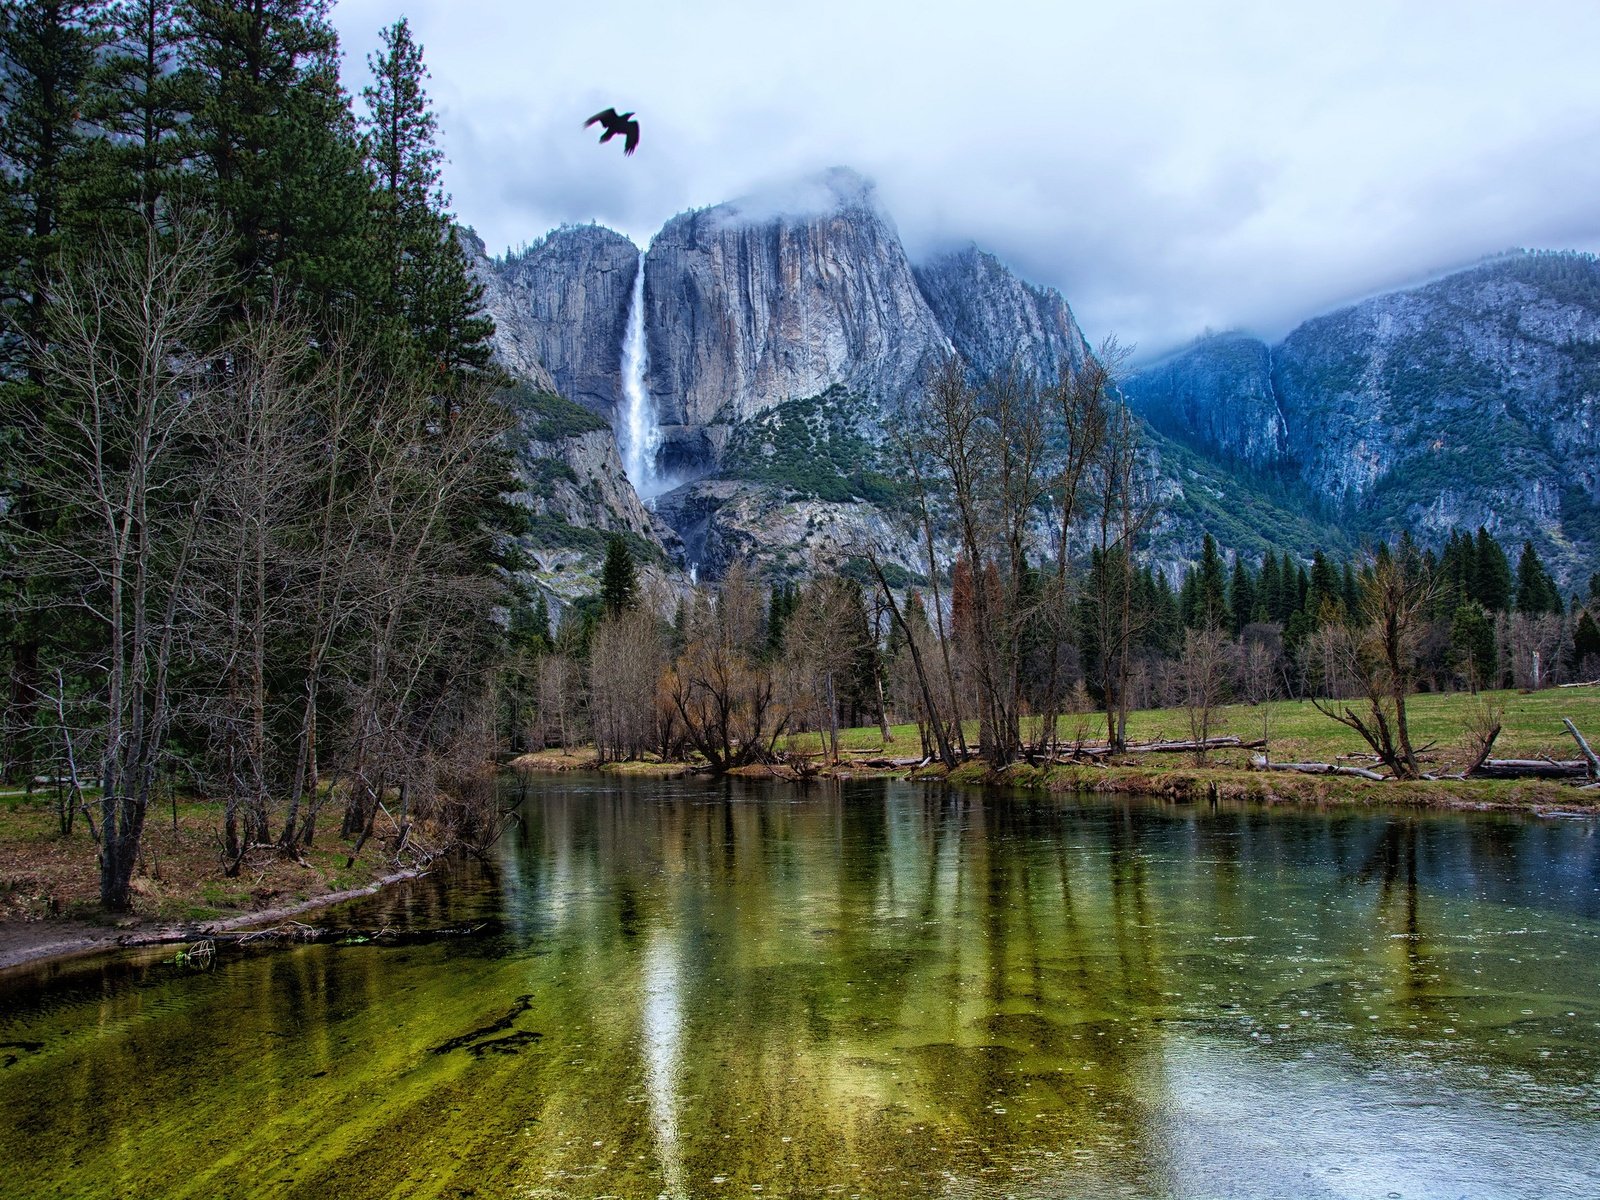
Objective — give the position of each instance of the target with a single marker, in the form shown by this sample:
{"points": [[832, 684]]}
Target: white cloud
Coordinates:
{"points": [[1168, 166]]}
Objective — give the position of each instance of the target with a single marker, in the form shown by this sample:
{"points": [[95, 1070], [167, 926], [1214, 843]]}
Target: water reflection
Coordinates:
{"points": [[692, 989]]}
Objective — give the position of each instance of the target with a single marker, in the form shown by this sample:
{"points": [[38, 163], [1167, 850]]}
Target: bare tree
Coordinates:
{"points": [[1125, 508], [626, 661], [126, 384], [1080, 402], [1382, 660], [253, 430], [821, 648], [724, 695], [1203, 672]]}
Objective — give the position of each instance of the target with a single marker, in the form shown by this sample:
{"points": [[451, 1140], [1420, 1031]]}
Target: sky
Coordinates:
{"points": [[1171, 168]]}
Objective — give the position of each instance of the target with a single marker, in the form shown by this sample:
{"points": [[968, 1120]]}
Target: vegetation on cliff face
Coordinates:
{"points": [[1466, 401], [820, 447]]}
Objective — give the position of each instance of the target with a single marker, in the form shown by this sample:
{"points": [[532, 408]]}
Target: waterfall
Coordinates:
{"points": [[639, 433]]}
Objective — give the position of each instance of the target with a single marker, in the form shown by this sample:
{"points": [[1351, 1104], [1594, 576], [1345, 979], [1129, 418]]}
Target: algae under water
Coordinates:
{"points": [[686, 988]]}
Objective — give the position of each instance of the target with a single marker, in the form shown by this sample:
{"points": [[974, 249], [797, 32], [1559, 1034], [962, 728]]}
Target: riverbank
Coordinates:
{"points": [[49, 883], [1185, 784], [1531, 728]]}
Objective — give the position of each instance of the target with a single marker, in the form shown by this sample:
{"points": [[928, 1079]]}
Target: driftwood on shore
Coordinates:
{"points": [[1583, 748], [1261, 763], [1097, 750], [1530, 768], [296, 933]]}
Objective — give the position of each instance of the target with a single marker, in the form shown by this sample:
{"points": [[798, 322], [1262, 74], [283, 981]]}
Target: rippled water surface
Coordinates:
{"points": [[691, 989]]}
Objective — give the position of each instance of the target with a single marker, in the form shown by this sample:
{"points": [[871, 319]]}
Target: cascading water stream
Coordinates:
{"points": [[639, 433]]}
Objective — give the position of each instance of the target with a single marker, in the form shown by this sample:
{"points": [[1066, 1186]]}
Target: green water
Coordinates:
{"points": [[685, 989]]}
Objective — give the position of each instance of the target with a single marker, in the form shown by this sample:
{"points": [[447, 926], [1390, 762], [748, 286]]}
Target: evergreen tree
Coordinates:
{"points": [[1241, 595], [1324, 593], [276, 144], [530, 625], [1270, 602], [1164, 630], [1537, 593], [426, 290], [619, 578], [1350, 590], [1491, 580], [1585, 640], [1211, 589], [142, 105], [1472, 647], [47, 55]]}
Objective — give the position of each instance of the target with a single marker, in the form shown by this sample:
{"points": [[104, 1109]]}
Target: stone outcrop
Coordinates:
{"points": [[572, 486], [762, 300], [994, 319], [1217, 394], [560, 307], [1471, 400]]}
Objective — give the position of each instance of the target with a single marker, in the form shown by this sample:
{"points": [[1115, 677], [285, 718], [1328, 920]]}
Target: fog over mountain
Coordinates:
{"points": [[1169, 167]]}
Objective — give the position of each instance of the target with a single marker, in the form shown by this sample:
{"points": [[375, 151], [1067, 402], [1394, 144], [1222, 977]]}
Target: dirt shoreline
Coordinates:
{"points": [[30, 943]]}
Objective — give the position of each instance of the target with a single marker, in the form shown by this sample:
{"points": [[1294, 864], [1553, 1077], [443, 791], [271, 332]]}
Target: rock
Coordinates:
{"points": [[994, 319], [560, 308], [761, 300], [1471, 400], [1217, 394]]}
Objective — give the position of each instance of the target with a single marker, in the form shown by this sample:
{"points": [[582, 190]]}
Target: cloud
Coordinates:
{"points": [[1167, 166]]}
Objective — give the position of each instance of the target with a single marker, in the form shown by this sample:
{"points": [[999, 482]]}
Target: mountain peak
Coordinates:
{"points": [[836, 190]]}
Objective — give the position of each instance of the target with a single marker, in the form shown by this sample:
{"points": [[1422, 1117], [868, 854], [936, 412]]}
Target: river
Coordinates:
{"points": [[690, 988]]}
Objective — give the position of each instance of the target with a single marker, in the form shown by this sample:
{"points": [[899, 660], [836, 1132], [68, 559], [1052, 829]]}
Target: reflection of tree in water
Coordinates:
{"points": [[1393, 863]]}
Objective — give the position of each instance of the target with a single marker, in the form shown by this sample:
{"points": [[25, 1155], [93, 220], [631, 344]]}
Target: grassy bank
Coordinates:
{"points": [[1295, 732]]}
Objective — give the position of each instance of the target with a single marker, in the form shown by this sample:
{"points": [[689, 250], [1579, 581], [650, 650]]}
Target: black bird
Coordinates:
{"points": [[617, 124]]}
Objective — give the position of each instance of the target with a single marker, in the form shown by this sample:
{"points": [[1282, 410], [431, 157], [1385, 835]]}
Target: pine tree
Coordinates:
{"points": [[47, 55], [619, 580], [1537, 593], [1270, 602], [426, 290], [1350, 590], [1491, 582], [1472, 647], [1241, 595], [1324, 593], [1586, 641], [142, 104], [1211, 589], [277, 148]]}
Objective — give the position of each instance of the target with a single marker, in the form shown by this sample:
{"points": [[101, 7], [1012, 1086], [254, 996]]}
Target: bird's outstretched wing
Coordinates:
{"points": [[632, 144], [607, 117]]}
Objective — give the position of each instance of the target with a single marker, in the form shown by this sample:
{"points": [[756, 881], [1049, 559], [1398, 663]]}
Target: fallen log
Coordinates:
{"points": [[1531, 768], [1193, 747], [1260, 763], [1583, 747], [293, 933], [1583, 683]]}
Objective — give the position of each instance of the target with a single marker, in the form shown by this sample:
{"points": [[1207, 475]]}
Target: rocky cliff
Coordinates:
{"points": [[771, 298], [572, 487], [1218, 394], [994, 319], [1474, 399], [560, 310]]}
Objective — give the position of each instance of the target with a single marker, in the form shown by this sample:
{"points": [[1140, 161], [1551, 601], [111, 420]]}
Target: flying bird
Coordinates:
{"points": [[614, 125]]}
